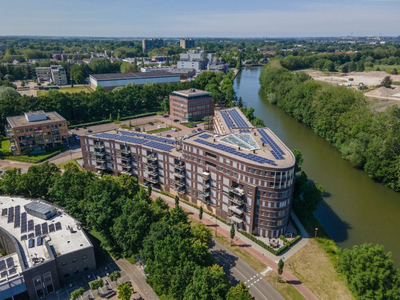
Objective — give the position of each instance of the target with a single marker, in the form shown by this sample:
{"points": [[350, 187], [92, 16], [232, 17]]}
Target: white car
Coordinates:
{"points": [[159, 126], [174, 129]]}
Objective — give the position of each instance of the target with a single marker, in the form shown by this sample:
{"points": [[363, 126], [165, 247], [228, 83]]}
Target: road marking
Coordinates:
{"points": [[266, 271]]}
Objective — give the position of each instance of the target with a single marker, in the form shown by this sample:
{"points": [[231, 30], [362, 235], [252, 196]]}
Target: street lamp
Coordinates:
{"points": [[316, 230]]}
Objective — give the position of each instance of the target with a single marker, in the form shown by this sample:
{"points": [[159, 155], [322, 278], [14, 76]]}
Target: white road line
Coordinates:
{"points": [[232, 266]]}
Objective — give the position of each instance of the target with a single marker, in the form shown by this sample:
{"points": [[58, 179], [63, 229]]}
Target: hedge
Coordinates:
{"points": [[72, 126]]}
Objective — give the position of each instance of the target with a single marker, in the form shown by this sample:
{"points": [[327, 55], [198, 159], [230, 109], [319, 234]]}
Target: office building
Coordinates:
{"points": [[192, 59], [43, 246], [186, 43], [110, 81], [244, 175], [55, 74], [148, 44], [33, 132], [191, 105]]}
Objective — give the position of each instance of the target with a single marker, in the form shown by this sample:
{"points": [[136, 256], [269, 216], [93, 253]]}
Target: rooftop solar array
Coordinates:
{"points": [[30, 225], [39, 240], [38, 230], [276, 151], [237, 118], [45, 228], [7, 267], [205, 136], [148, 140], [228, 121], [31, 235], [4, 212], [58, 226], [24, 223], [249, 156], [233, 119], [31, 243], [51, 228], [10, 214]]}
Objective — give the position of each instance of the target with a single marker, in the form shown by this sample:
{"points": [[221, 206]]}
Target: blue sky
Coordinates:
{"points": [[177, 18]]}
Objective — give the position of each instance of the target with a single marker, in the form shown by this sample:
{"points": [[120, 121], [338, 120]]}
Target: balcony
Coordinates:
{"points": [[153, 172], [128, 166], [237, 191], [99, 146], [180, 174], [180, 182], [152, 163], [99, 154], [235, 219], [236, 210], [206, 175], [101, 159], [153, 180], [206, 186], [101, 166], [181, 190], [9, 131], [180, 166], [236, 200], [126, 172], [125, 150]]}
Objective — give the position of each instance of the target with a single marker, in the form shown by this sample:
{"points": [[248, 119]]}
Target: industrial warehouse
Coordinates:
{"points": [[44, 247], [240, 173]]}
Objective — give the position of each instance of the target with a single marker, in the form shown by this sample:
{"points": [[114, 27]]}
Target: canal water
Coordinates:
{"points": [[356, 209]]}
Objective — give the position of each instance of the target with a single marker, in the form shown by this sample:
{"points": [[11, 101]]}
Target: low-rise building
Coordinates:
{"points": [[110, 81], [44, 248], [243, 175], [54, 73], [192, 59], [191, 104], [186, 43], [33, 132]]}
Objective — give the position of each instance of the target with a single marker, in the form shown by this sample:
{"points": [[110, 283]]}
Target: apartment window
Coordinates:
{"points": [[64, 263], [259, 172], [17, 131], [84, 256], [249, 191], [66, 275], [86, 269], [234, 174], [248, 210], [74, 260], [265, 173], [272, 174]]}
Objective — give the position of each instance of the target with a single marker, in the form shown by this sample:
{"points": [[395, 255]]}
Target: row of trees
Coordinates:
{"points": [[367, 138], [131, 224]]}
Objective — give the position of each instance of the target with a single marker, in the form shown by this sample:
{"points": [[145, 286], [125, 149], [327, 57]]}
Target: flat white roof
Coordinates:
{"points": [[61, 238]]}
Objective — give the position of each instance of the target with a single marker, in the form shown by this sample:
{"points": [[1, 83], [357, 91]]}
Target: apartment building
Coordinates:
{"points": [[186, 43], [33, 132], [148, 44], [191, 104], [244, 176], [193, 59], [54, 73], [42, 248]]}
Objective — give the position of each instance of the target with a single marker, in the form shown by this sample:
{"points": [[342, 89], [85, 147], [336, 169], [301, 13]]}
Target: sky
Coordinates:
{"points": [[205, 18]]}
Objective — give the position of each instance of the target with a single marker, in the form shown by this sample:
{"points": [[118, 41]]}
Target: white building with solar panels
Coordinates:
{"points": [[243, 174], [44, 246]]}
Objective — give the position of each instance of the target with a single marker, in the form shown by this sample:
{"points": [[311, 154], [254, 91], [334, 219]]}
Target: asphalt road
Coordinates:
{"points": [[238, 270]]}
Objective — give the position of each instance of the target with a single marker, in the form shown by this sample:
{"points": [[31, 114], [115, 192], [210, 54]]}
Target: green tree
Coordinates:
{"points": [[6, 91], [360, 66], [239, 292], [386, 82], [176, 201], [240, 102], [115, 275], [395, 72], [299, 160], [281, 264], [96, 284], [232, 232], [201, 213], [352, 66], [370, 272], [77, 293], [125, 291], [149, 189]]}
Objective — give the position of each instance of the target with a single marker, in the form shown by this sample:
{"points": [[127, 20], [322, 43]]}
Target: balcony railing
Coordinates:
{"points": [[237, 201], [180, 166], [98, 146], [101, 166], [126, 172], [180, 182], [180, 174], [236, 209], [125, 151], [101, 159], [206, 175], [235, 219], [152, 180], [237, 190]]}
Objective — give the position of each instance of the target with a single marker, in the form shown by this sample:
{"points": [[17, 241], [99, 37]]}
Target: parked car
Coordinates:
{"points": [[194, 131], [159, 126], [168, 135], [174, 129], [84, 127], [199, 129], [176, 120], [151, 123], [76, 128], [193, 125], [166, 116], [90, 131]]}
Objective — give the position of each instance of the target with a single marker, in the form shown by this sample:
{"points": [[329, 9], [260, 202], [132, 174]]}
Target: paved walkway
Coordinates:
{"points": [[255, 250]]}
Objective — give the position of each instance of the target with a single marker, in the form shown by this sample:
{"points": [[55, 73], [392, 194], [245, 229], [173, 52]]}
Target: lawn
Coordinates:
{"points": [[5, 153], [314, 268], [68, 89], [189, 124], [163, 129], [74, 161], [388, 69]]}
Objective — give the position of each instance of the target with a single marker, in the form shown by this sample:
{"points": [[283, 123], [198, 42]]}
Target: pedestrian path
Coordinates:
{"points": [[251, 247]]}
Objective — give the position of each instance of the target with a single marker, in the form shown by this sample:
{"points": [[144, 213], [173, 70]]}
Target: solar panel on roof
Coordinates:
{"points": [[12, 271], [10, 215], [30, 225], [10, 262], [39, 240], [23, 237], [51, 228], [58, 226], [4, 212], [3, 274], [17, 221], [38, 230], [2, 265], [205, 136], [45, 228], [31, 235], [31, 243], [23, 222]]}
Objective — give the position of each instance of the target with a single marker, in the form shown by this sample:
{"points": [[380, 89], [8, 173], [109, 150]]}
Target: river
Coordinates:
{"points": [[356, 209]]}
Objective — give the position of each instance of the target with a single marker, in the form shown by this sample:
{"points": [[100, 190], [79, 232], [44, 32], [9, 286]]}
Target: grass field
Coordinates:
{"points": [[74, 161], [68, 89], [388, 69], [189, 124]]}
